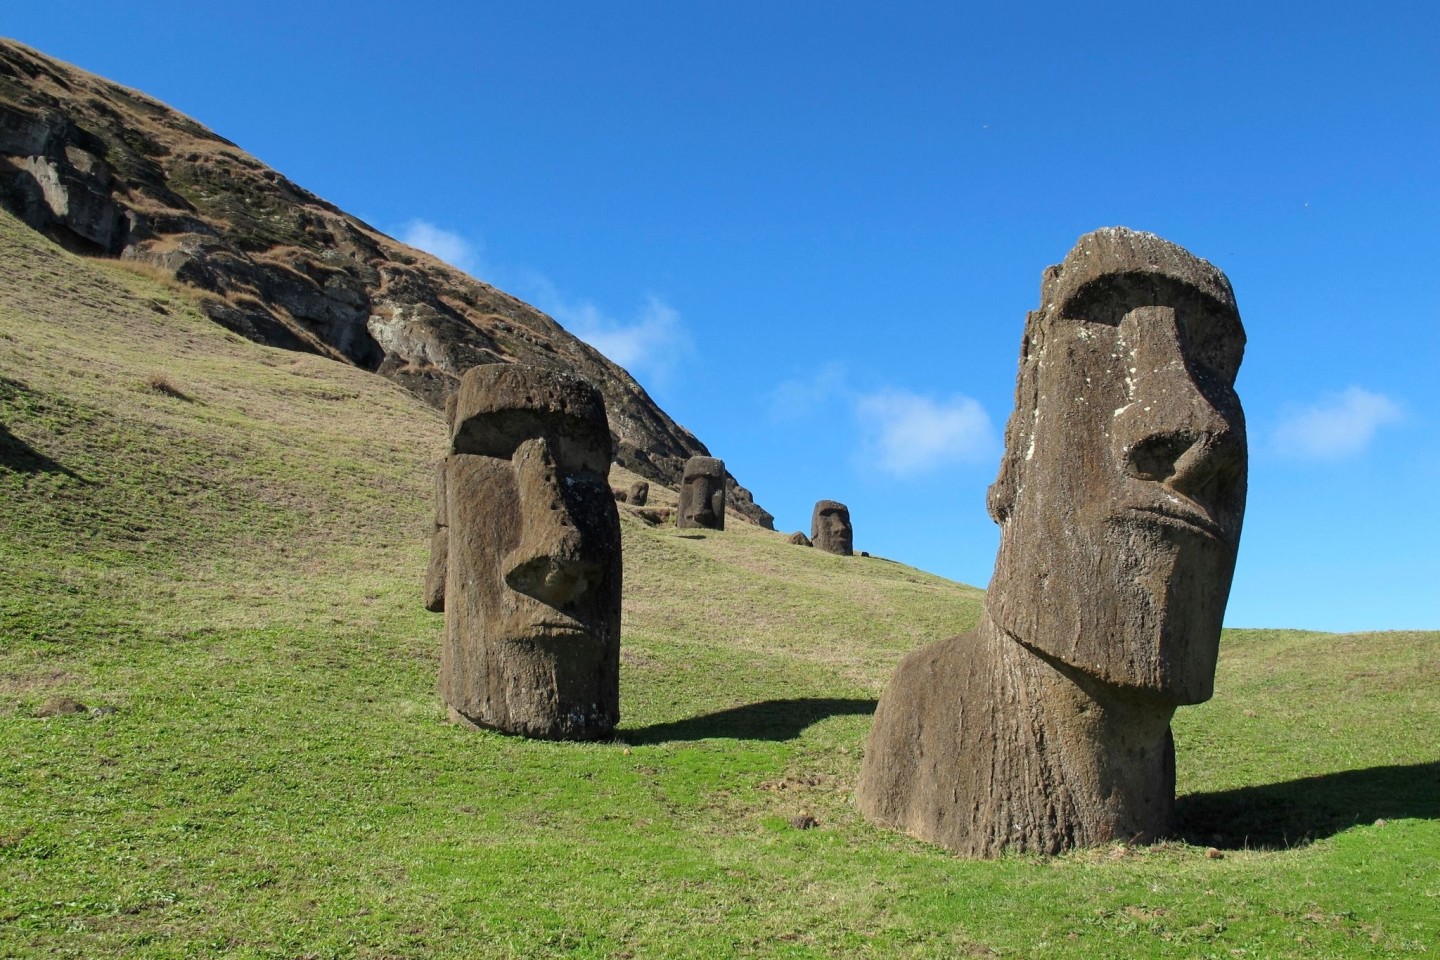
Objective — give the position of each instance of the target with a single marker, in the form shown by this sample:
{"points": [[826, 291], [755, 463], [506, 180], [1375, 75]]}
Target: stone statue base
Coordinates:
{"points": [[984, 747]]}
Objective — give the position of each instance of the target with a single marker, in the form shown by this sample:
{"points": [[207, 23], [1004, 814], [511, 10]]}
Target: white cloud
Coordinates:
{"points": [[797, 399], [445, 244], [652, 341], [1339, 425], [649, 345], [905, 434]]}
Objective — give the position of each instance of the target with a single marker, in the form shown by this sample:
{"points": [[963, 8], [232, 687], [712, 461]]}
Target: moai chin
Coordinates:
{"points": [[830, 528], [702, 494], [532, 568], [1120, 499]]}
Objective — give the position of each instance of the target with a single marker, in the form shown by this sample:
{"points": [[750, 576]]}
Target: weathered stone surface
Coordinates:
{"points": [[799, 539], [103, 169], [1120, 499], [702, 494], [830, 528], [532, 595], [435, 573]]}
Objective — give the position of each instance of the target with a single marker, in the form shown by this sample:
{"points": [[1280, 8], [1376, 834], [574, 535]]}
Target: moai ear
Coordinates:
{"points": [[1020, 428], [450, 402]]}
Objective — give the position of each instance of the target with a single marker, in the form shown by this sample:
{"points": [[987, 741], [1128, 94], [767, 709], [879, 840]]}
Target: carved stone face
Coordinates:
{"points": [[702, 494], [1122, 490], [534, 575], [830, 528]]}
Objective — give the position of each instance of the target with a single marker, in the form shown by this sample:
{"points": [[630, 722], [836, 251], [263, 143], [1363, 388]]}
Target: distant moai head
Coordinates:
{"points": [[702, 494], [532, 597], [1122, 488], [639, 493], [830, 528]]}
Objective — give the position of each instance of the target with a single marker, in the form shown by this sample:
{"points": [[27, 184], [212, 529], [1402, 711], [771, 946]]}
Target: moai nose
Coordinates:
{"points": [[548, 563], [1171, 432]]}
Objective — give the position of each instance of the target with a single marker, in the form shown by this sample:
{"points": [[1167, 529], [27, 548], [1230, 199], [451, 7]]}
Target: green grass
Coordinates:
{"points": [[230, 557]]}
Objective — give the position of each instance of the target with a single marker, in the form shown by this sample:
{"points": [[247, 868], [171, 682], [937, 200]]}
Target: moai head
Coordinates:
{"points": [[1122, 488], [532, 597], [702, 494], [830, 528], [639, 493]]}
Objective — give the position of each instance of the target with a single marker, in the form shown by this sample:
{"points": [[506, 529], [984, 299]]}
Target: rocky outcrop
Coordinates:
{"points": [[108, 171]]}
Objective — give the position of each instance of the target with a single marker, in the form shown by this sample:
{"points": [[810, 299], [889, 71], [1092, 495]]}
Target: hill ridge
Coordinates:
{"points": [[108, 171]]}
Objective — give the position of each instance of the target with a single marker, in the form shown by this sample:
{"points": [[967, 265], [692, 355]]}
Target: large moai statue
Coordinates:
{"points": [[531, 569], [830, 528], [1119, 499], [702, 494]]}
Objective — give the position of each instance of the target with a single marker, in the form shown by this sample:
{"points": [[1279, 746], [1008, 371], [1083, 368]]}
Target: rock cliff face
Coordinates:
{"points": [[111, 172]]}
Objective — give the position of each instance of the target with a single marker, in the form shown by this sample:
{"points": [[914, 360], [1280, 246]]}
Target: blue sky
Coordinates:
{"points": [[813, 230]]}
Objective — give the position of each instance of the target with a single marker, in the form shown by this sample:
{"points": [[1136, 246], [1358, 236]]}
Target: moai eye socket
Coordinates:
{"points": [[573, 441]]}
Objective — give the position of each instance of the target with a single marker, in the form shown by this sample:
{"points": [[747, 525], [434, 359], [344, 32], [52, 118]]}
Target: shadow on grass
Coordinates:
{"points": [[1297, 812], [766, 720], [17, 455]]}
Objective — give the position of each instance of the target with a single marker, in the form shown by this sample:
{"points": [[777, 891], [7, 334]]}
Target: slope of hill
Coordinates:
{"points": [[106, 170], [219, 734]]}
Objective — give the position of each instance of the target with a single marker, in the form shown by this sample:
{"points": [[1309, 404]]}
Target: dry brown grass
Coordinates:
{"points": [[158, 274], [162, 384]]}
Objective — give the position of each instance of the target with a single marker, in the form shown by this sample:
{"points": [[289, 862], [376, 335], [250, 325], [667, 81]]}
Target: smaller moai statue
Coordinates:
{"points": [[525, 560], [639, 494], [799, 539], [702, 494], [830, 528]]}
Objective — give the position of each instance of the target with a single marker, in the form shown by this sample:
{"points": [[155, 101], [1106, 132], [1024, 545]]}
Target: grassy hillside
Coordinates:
{"points": [[217, 548]]}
